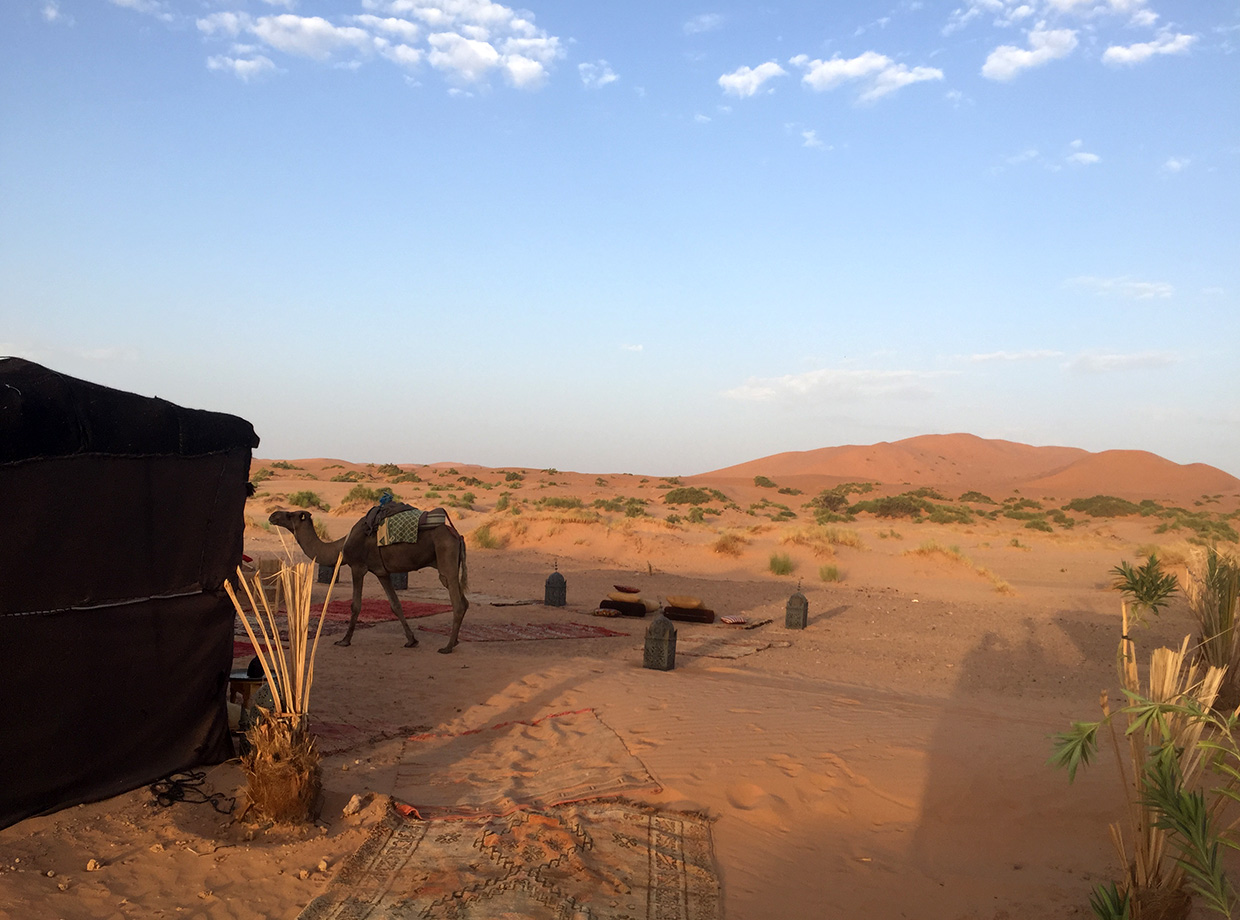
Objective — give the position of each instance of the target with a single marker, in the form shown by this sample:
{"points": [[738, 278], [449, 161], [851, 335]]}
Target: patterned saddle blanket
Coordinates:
{"points": [[405, 526]]}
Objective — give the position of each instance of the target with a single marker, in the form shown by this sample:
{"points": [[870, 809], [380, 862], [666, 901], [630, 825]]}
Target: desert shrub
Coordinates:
{"points": [[781, 564], [696, 515], [407, 477], [934, 548], [976, 497], [284, 465], [485, 537], [727, 544], [320, 528], [789, 490], [1061, 519], [1102, 506], [609, 504], [350, 476], [253, 524], [551, 471], [261, 476], [360, 494], [470, 481], [890, 534], [501, 503], [635, 507], [513, 476], [950, 514], [836, 498], [560, 501], [389, 469], [466, 501], [1206, 528], [927, 492], [691, 495], [1020, 504], [673, 519], [891, 506], [307, 499], [432, 493], [600, 481], [829, 573], [672, 480], [1039, 524], [763, 482]]}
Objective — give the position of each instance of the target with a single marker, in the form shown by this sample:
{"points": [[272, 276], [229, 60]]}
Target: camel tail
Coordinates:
{"points": [[464, 569]]}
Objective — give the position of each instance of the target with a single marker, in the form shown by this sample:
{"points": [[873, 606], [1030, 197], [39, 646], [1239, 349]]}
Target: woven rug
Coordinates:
{"points": [[585, 861], [501, 632], [374, 610], [565, 757]]}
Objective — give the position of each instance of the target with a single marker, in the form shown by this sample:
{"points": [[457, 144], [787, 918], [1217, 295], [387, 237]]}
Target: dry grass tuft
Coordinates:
{"points": [[822, 539], [729, 544], [930, 548]]}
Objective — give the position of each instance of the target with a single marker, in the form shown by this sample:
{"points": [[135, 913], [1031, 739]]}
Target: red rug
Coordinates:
{"points": [[374, 610], [501, 632]]}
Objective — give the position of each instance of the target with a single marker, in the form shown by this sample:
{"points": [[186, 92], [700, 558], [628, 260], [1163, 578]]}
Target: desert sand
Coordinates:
{"points": [[890, 760]]}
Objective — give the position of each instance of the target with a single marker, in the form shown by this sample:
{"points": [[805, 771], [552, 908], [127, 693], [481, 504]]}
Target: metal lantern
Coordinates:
{"points": [[796, 614], [400, 581], [556, 592], [660, 651]]}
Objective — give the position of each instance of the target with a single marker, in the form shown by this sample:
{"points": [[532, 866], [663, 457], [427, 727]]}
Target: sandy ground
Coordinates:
{"points": [[890, 760]]}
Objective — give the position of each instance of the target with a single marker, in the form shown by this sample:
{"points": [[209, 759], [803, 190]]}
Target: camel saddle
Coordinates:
{"points": [[405, 526]]}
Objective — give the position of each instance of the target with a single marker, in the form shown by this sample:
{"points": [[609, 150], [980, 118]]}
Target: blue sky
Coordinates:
{"points": [[633, 237]]}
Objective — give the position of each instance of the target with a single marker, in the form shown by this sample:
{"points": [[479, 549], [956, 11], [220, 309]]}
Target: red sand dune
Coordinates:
{"points": [[958, 462]]}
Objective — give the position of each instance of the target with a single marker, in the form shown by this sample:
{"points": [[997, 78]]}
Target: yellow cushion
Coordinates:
{"points": [[685, 601]]}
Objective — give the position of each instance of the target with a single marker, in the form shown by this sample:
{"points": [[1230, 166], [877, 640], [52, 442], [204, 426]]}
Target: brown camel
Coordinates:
{"points": [[440, 546]]}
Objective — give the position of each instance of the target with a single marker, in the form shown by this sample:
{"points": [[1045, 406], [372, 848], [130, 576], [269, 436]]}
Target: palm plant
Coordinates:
{"points": [[1214, 599], [1146, 587]]}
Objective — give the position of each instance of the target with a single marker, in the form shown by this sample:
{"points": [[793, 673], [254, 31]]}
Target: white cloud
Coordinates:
{"points": [[466, 58], [401, 29], [833, 384], [1081, 158], [746, 81], [878, 74], [156, 8], [1122, 55], [243, 68], [1175, 164], [52, 13], [1107, 363], [1045, 45], [705, 22], [596, 75], [701, 119], [630, 347], [467, 40], [811, 139], [1124, 287], [1024, 156], [1027, 355]]}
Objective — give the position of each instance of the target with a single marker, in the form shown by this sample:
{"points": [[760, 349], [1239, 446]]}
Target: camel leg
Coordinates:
{"points": [[386, 581], [460, 603], [359, 575]]}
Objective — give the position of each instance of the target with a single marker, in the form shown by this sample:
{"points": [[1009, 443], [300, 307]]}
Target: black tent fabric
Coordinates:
{"points": [[123, 517]]}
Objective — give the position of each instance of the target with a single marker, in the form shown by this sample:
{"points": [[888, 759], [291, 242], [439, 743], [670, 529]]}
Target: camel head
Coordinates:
{"points": [[291, 520]]}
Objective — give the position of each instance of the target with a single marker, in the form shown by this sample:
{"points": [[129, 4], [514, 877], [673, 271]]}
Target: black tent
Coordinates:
{"points": [[121, 517]]}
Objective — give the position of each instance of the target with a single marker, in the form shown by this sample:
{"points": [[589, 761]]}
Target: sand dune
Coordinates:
{"points": [[957, 462]]}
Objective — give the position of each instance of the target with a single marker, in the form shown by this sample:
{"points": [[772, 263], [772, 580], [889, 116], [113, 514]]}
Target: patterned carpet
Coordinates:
{"points": [[608, 860]]}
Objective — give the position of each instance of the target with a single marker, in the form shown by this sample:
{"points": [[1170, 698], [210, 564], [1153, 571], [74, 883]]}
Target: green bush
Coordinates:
{"points": [[976, 497], [763, 482], [389, 469], [307, 500], [513, 476], [1102, 506], [360, 493], [560, 501], [781, 564], [829, 573], [350, 476], [485, 538], [789, 490], [407, 477], [1039, 524], [691, 495], [284, 465], [696, 515], [261, 476], [502, 502]]}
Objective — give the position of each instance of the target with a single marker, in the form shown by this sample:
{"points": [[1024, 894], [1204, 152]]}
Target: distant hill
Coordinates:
{"points": [[954, 463]]}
